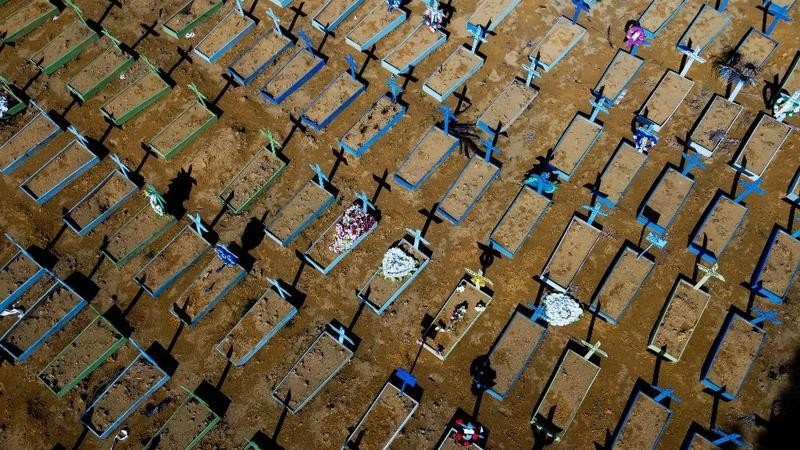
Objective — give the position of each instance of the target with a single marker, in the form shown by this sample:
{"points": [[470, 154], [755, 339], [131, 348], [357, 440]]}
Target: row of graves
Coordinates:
{"points": [[195, 253]]}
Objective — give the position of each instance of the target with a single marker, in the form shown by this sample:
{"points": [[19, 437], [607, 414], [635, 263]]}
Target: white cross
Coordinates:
{"points": [[708, 272]]}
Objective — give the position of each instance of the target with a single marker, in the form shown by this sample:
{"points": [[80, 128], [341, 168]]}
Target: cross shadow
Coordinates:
{"points": [[149, 30], [593, 321], [771, 91], [162, 357], [430, 218], [462, 100], [107, 11], [298, 12], [382, 184], [71, 105], [487, 256], [82, 437], [31, 80], [145, 157], [228, 83], [183, 55], [408, 77], [263, 441], [300, 269], [52, 242], [297, 124], [100, 258], [214, 398], [370, 56], [226, 370], [133, 302], [178, 331], [107, 132], [657, 370], [340, 158]]}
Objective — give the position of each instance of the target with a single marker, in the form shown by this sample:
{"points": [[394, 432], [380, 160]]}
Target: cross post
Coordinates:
{"points": [[394, 89], [365, 203], [478, 33], [78, 136], [489, 148], [655, 240], [787, 105], [580, 6], [541, 182], [779, 13], [730, 438], [691, 57], [111, 37], [279, 288], [274, 145], [307, 43], [197, 221], [352, 65], [531, 71], [594, 211], [321, 178], [722, 5], [417, 235], [599, 104], [157, 202], [276, 21], [478, 279], [665, 393], [591, 349], [448, 115], [759, 315], [537, 312], [239, 8], [691, 161], [341, 335], [406, 379], [708, 273], [123, 169], [200, 96], [749, 188]]}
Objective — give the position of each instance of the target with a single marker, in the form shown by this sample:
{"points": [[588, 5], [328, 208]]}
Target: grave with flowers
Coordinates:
{"points": [[262, 53], [381, 20], [188, 16], [720, 222], [136, 96], [342, 91], [741, 66], [786, 101], [303, 65], [619, 172], [658, 14], [332, 13], [231, 29], [330, 351], [645, 417], [665, 99], [778, 265], [706, 26], [11, 102], [562, 37], [475, 178], [460, 311], [679, 317], [623, 280], [669, 193], [69, 163], [523, 214], [67, 45], [34, 135], [103, 199], [573, 145], [571, 252], [179, 255], [18, 274], [375, 121], [26, 18], [428, 154], [419, 43], [464, 432], [144, 226], [190, 123], [402, 262], [260, 323], [103, 69], [257, 175], [760, 147]]}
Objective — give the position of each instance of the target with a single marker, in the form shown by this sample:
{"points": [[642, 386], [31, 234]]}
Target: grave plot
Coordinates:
{"points": [[304, 207], [456, 437], [458, 314], [777, 267], [467, 189], [377, 23], [100, 71], [385, 417], [374, 123], [717, 228], [289, 78], [565, 392], [620, 171], [427, 155], [643, 422], [175, 258], [143, 227], [402, 262], [518, 221], [321, 361], [135, 97], [14, 103], [33, 136], [512, 351], [65, 47], [188, 16], [706, 26], [420, 43], [214, 281], [679, 318], [570, 253], [100, 202], [452, 73], [789, 84], [82, 356], [562, 37], [332, 101], [186, 426], [573, 145], [332, 13], [698, 439], [59, 172], [490, 13], [665, 99], [225, 34], [658, 15], [618, 76], [258, 56], [255, 178], [271, 312], [761, 146], [665, 199], [506, 108], [43, 319], [357, 222], [621, 283], [29, 16], [732, 356], [183, 129], [756, 47], [713, 125], [26, 298], [17, 275], [140, 379]]}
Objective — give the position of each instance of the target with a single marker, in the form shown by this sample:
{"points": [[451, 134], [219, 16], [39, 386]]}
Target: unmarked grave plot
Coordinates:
{"points": [[452, 73], [23, 144], [292, 75], [427, 155], [188, 16], [713, 125], [665, 199], [26, 298], [643, 423], [17, 275], [259, 56], [518, 221], [658, 15], [620, 172], [665, 99], [135, 97], [384, 419], [99, 72], [100, 202], [717, 228], [573, 145], [679, 318], [65, 47], [175, 258], [618, 76], [303, 208], [556, 43], [182, 130], [255, 178], [208, 288], [458, 314], [374, 123], [706, 26], [732, 356], [22, 21], [376, 24], [570, 253], [332, 101], [59, 172], [144, 226], [420, 43], [490, 13], [507, 107], [186, 426], [467, 189], [777, 267], [620, 284], [761, 146], [756, 47], [332, 13], [225, 34]]}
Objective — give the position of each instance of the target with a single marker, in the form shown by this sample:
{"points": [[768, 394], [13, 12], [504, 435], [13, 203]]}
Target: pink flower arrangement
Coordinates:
{"points": [[353, 224], [635, 36]]}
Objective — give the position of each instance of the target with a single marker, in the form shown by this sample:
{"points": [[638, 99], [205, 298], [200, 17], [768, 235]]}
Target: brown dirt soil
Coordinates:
{"points": [[257, 322], [141, 226], [75, 34], [380, 289], [291, 72], [718, 118], [643, 427], [756, 48], [738, 350], [721, 226], [186, 123], [40, 128], [618, 73], [23, 16], [111, 193], [371, 123], [27, 299], [46, 313], [15, 273], [386, 416], [204, 289], [526, 209], [763, 144], [703, 29], [324, 358], [472, 180], [508, 356], [575, 245], [667, 97], [143, 88], [658, 14], [228, 28], [267, 46], [488, 10], [550, 47], [453, 69], [679, 319], [80, 353], [415, 44], [667, 198], [619, 175], [99, 69], [196, 9], [253, 178], [579, 135], [332, 98], [432, 147], [509, 105], [782, 264], [376, 20], [443, 342], [622, 284], [331, 11], [308, 200], [68, 160], [173, 258], [564, 395], [191, 419]]}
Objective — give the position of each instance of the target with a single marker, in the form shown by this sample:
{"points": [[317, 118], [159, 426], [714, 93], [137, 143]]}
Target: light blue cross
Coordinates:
{"points": [[124, 170], [478, 33], [417, 235], [307, 43], [352, 65], [692, 161], [665, 393], [276, 21], [732, 438], [394, 88], [655, 240], [81, 138], [580, 6], [279, 288], [197, 221], [341, 335], [537, 312], [749, 188], [599, 105], [531, 70], [447, 115], [489, 148], [759, 315], [239, 8], [321, 178], [594, 211], [691, 56], [366, 205], [778, 12], [541, 182]]}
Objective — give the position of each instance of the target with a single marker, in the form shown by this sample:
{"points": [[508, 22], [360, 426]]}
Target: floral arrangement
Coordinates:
{"points": [[354, 223], [634, 36], [393, 4], [433, 15], [397, 264], [785, 106], [3, 105], [561, 309]]}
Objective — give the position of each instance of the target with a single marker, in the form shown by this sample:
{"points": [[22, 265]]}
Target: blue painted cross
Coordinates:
{"points": [[352, 65], [796, 233], [276, 21], [227, 257], [749, 188], [341, 335], [321, 178], [691, 57], [665, 393], [759, 315], [406, 379], [123, 169], [279, 288], [36, 105], [393, 4], [537, 312], [366, 205], [722, 5], [489, 148], [731, 438], [447, 115], [531, 70], [655, 240], [307, 43], [645, 138], [197, 221], [690, 162], [478, 33], [594, 211], [239, 8], [541, 182], [786, 105], [580, 6], [599, 105], [78, 136], [417, 235], [778, 12], [394, 89]]}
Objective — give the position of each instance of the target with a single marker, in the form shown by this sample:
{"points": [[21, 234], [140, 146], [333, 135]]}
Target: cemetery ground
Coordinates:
{"points": [[32, 416]]}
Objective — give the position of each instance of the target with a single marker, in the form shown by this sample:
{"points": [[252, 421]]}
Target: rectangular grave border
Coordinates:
{"points": [[326, 187], [441, 96], [298, 83], [168, 154], [596, 90], [196, 439], [103, 82], [245, 79], [160, 290], [560, 20], [241, 273], [544, 278], [83, 231], [684, 45], [56, 130], [510, 253], [707, 255], [492, 24], [653, 4], [774, 297], [458, 220], [658, 351], [10, 91], [327, 120], [641, 116], [223, 197], [789, 72], [328, 28], [491, 129], [69, 55], [413, 187], [641, 218], [251, 23], [736, 164], [793, 192], [32, 25], [64, 182], [593, 306], [21, 252], [141, 106], [358, 152], [181, 32], [123, 259], [402, 15], [610, 164], [752, 31], [562, 173], [401, 70], [708, 152], [627, 412]]}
